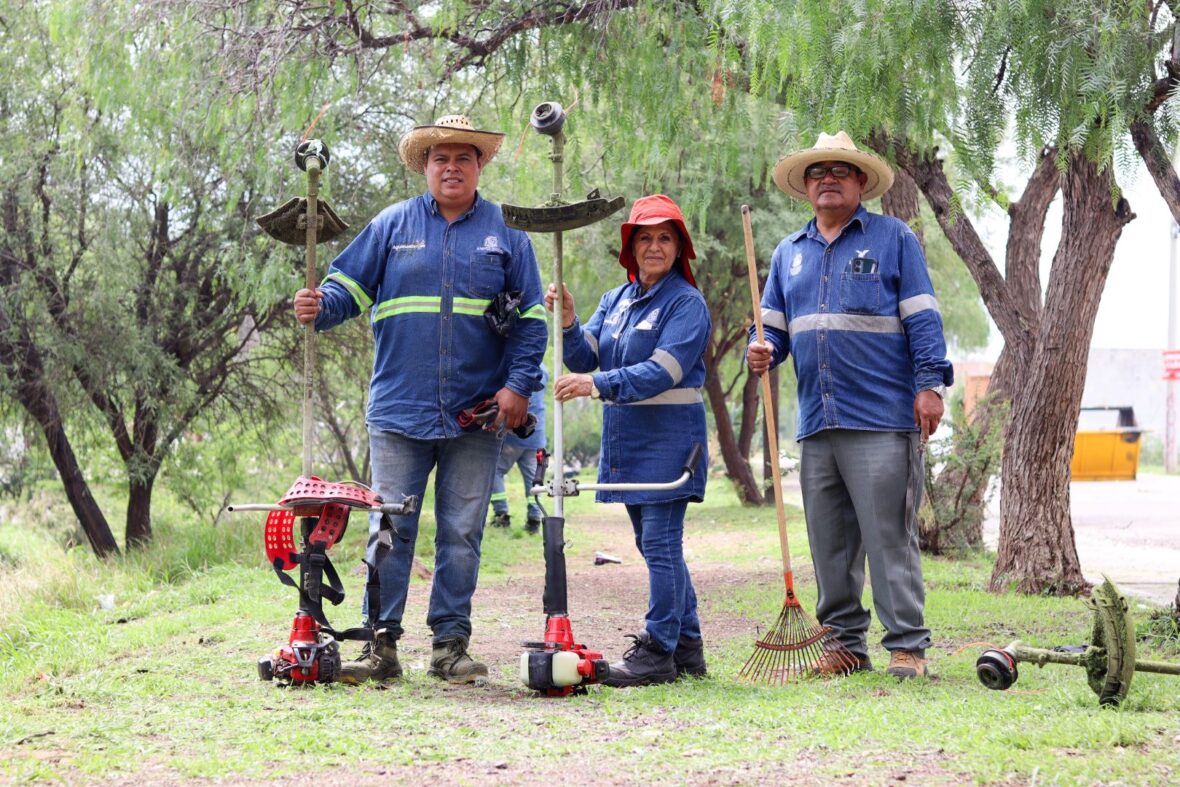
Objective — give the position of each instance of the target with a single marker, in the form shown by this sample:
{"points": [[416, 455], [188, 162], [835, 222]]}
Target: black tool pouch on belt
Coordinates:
{"points": [[501, 312]]}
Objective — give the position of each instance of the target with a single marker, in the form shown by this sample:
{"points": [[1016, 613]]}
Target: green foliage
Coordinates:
{"points": [[958, 470]]}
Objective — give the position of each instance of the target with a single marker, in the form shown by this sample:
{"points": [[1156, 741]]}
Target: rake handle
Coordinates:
{"points": [[767, 406]]}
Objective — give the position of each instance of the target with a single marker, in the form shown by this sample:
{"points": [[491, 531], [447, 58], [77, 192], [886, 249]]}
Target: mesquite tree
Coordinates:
{"points": [[132, 284]]}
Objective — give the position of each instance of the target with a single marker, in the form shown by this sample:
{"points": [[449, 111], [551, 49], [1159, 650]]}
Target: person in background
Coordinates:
{"points": [[522, 452]]}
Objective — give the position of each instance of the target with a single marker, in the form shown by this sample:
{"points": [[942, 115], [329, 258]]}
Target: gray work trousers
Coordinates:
{"points": [[854, 498]]}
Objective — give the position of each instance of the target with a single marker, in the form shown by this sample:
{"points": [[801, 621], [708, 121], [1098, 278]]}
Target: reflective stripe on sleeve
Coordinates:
{"points": [[410, 304], [357, 292], [591, 340], [669, 364], [918, 303], [673, 396], [774, 319], [864, 323], [535, 313]]}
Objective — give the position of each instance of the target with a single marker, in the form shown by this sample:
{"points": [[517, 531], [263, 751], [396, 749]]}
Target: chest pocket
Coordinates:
{"points": [[486, 276], [860, 293], [639, 342]]}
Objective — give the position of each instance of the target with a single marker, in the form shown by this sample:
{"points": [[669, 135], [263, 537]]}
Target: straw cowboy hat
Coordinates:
{"points": [[449, 129], [788, 172], [645, 212]]}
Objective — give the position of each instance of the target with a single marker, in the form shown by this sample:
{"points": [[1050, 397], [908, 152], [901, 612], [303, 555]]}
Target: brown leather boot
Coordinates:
{"points": [[450, 662], [906, 664], [377, 662]]}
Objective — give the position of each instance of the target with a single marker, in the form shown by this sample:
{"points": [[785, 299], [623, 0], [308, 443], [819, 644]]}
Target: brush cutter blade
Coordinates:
{"points": [[558, 218], [288, 222]]}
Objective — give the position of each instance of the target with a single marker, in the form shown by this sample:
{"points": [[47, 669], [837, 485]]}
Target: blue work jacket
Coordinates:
{"points": [[425, 284], [649, 349], [859, 318]]}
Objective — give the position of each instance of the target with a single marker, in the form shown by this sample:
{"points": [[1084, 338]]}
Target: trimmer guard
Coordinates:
{"points": [[558, 218], [288, 222]]}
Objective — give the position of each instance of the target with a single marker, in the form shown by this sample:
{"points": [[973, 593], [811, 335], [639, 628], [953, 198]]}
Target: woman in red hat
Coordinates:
{"points": [[642, 355]]}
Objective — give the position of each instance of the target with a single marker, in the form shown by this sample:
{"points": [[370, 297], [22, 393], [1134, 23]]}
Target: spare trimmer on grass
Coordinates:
{"points": [[1109, 658], [311, 654], [558, 665]]}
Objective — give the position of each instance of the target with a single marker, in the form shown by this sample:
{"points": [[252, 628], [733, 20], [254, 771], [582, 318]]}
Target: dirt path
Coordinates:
{"points": [[606, 602]]}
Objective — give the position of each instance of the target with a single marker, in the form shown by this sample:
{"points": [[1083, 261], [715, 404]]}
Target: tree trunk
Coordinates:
{"points": [[767, 469], [1037, 552], [139, 511], [23, 362], [737, 467], [751, 402]]}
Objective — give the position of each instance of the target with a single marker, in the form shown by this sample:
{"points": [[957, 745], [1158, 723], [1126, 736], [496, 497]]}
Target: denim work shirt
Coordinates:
{"points": [[860, 319], [425, 284], [649, 349]]}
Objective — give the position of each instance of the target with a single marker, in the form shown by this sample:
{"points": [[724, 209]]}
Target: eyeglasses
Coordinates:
{"points": [[820, 171]]}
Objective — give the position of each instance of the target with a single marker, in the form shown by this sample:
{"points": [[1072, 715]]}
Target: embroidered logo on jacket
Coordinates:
{"points": [[418, 244], [490, 243], [649, 320]]}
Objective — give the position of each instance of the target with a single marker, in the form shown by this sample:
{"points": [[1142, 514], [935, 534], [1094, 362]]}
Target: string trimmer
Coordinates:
{"points": [[312, 654], [557, 666], [1109, 658], [796, 645]]}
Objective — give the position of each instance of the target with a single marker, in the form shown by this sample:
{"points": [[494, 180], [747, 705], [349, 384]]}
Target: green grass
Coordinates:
{"points": [[161, 688]]}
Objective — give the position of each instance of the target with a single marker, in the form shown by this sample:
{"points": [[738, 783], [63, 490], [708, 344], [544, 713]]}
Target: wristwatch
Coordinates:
{"points": [[939, 390], [594, 392]]}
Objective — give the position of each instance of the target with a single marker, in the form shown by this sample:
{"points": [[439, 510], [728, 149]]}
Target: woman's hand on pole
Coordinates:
{"points": [[567, 304], [307, 304], [572, 386]]}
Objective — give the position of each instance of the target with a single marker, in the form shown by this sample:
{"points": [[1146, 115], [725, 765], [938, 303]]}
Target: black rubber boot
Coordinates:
{"points": [[378, 661], [644, 664], [449, 661], [501, 520], [532, 526]]}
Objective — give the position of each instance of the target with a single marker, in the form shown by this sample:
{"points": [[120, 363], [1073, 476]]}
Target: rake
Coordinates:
{"points": [[796, 646]]}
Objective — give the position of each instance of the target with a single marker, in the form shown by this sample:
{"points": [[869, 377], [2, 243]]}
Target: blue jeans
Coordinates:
{"points": [[672, 602], [526, 460], [463, 481]]}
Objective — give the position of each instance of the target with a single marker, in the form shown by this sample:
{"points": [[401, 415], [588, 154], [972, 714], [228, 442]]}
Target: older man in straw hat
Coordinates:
{"points": [[425, 270], [849, 298]]}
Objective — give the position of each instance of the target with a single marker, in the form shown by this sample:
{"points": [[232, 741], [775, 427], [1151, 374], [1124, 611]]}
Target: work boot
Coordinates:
{"points": [[532, 526], [834, 663], [644, 663], [689, 656], [906, 664], [378, 662], [501, 519], [450, 662]]}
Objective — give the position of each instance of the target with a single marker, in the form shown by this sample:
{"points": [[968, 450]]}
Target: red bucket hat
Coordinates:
{"points": [[645, 212]]}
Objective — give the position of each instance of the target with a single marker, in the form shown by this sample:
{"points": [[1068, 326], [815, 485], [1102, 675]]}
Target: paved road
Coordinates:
{"points": [[1128, 530]]}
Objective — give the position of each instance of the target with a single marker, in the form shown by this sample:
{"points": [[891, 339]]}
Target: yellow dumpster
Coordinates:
{"points": [[1107, 445]]}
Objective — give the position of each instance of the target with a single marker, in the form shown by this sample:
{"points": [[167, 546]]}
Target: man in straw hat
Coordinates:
{"points": [[849, 298], [425, 270]]}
